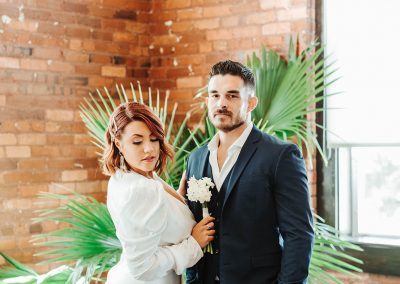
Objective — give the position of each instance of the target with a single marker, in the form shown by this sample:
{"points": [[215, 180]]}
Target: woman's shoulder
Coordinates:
{"points": [[132, 185]]}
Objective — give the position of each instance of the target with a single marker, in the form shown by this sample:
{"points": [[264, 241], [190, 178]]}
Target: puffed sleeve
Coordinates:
{"points": [[140, 218]]}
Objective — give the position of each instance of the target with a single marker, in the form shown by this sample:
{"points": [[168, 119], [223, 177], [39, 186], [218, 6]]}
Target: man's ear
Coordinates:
{"points": [[253, 102]]}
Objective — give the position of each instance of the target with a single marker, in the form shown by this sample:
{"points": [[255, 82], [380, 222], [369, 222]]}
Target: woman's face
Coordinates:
{"points": [[141, 148]]}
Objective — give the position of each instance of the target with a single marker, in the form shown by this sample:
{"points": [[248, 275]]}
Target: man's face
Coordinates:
{"points": [[229, 102]]}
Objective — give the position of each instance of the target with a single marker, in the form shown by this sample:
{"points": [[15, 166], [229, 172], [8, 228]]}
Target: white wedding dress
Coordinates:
{"points": [[154, 229]]}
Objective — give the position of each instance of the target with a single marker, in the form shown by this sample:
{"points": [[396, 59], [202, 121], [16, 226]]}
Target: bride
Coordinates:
{"points": [[157, 231]]}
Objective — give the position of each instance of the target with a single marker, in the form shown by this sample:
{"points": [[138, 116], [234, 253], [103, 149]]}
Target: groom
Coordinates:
{"points": [[264, 225]]}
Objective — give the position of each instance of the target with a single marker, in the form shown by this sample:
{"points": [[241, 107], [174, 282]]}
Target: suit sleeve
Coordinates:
{"points": [[294, 216], [141, 220]]}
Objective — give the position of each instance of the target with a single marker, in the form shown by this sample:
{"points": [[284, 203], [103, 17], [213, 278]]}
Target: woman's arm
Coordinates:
{"points": [[141, 218]]}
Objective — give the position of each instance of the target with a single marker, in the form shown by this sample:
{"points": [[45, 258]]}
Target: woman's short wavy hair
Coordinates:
{"points": [[120, 118]]}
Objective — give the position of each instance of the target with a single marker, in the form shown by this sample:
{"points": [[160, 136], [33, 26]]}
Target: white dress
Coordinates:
{"points": [[154, 229]]}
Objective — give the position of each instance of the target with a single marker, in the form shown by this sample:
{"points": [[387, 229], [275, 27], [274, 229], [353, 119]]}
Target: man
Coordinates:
{"points": [[264, 227]]}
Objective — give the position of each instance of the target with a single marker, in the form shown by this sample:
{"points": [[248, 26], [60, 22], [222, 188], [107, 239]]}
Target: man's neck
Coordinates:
{"points": [[226, 139]]}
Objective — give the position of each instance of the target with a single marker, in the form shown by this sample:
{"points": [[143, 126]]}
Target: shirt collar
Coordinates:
{"points": [[213, 144]]}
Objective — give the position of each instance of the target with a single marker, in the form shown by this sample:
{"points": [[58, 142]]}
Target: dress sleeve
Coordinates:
{"points": [[140, 221]]}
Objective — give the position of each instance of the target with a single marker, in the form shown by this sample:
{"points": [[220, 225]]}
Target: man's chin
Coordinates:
{"points": [[227, 127]]}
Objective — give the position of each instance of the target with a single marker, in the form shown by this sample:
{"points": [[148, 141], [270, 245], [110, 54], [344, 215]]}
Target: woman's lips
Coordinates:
{"points": [[149, 159]]}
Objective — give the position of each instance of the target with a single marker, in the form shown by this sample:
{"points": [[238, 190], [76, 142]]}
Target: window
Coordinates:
{"points": [[362, 182]]}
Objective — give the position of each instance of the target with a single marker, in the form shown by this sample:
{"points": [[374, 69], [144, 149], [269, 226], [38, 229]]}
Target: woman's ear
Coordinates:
{"points": [[118, 144]]}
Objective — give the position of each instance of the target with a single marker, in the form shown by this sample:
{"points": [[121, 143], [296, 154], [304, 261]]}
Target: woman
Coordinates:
{"points": [[157, 231]]}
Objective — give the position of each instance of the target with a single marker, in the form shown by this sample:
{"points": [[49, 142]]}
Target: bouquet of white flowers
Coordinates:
{"points": [[199, 191]]}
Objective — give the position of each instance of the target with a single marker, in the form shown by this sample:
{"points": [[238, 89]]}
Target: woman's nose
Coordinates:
{"points": [[148, 147]]}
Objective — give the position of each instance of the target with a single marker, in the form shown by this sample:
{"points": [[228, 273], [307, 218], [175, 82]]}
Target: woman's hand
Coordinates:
{"points": [[182, 185], [203, 231]]}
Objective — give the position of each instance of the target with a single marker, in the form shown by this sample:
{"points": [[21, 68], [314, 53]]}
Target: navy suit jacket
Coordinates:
{"points": [[266, 226]]}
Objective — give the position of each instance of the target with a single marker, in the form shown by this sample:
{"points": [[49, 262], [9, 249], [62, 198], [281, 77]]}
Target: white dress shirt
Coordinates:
{"points": [[219, 175], [154, 229]]}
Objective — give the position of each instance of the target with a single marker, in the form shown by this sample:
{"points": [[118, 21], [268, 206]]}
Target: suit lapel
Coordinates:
{"points": [[248, 150]]}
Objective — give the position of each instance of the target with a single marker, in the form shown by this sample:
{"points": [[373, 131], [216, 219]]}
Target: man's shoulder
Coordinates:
{"points": [[199, 152], [273, 142]]}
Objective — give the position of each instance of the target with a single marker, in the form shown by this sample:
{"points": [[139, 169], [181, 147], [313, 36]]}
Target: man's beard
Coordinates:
{"points": [[231, 127]]}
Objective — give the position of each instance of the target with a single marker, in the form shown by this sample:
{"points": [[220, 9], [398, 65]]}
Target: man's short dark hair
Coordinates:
{"points": [[235, 69]]}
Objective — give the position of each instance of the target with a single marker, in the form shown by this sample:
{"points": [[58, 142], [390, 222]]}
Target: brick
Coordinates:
{"points": [[88, 187], [47, 28], [175, 4], [31, 139], [2, 154], [47, 53], [292, 14], [124, 37], [189, 82], [59, 115], [75, 7], [269, 4], [59, 139], [75, 44], [18, 151], [261, 18], [205, 47], [2, 100], [88, 69], [99, 58], [62, 187], [33, 64], [45, 151], [113, 71], [78, 32], [137, 28], [220, 45], [28, 26], [59, 66], [189, 14], [219, 34], [164, 40], [206, 24], [29, 164], [7, 243], [9, 62], [231, 21], [276, 28], [117, 25], [74, 175], [81, 139], [219, 11], [249, 31], [8, 139]]}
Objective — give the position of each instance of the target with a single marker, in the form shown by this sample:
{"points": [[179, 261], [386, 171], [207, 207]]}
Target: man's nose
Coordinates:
{"points": [[222, 102]]}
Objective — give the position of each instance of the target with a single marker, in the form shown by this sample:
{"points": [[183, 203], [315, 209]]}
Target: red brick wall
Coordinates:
{"points": [[188, 36], [53, 52]]}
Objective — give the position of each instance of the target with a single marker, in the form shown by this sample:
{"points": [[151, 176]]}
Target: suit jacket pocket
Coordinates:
{"points": [[270, 259]]}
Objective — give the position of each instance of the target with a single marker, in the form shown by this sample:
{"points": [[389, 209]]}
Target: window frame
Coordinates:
{"points": [[377, 258]]}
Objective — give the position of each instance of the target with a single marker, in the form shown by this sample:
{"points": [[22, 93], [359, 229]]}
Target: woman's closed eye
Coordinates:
{"points": [[138, 142]]}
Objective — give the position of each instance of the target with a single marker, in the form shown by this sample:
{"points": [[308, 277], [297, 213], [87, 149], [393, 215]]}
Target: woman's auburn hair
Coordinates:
{"points": [[120, 118]]}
